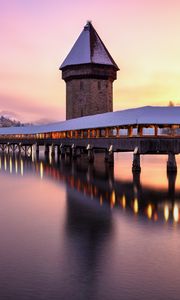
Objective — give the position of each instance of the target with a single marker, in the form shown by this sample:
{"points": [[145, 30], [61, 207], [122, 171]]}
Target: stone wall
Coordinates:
{"points": [[88, 97], [89, 89]]}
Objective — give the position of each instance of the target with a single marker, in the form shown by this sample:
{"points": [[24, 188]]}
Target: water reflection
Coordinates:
{"points": [[88, 229], [176, 212], [135, 205], [166, 212], [10, 164], [123, 201], [99, 183], [149, 211], [22, 167], [16, 166], [5, 163], [41, 170]]}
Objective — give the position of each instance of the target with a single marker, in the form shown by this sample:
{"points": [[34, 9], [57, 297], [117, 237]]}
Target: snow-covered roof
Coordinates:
{"points": [[88, 48], [143, 115]]}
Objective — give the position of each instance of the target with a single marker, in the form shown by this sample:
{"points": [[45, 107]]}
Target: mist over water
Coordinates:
{"points": [[74, 230]]}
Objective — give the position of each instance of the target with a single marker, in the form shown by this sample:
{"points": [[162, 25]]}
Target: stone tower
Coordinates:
{"points": [[89, 72]]}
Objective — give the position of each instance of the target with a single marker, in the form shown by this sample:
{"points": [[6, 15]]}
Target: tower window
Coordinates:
{"points": [[81, 85], [99, 85]]}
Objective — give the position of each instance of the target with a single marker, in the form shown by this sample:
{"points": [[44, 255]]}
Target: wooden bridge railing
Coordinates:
{"points": [[108, 132]]}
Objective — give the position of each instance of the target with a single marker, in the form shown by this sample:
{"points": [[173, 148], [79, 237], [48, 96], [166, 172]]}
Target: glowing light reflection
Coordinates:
{"points": [[32, 154], [123, 201], [176, 213], [155, 216], [5, 163], [50, 157], [136, 208], [113, 199], [149, 211], [16, 166], [22, 168], [10, 164], [166, 212], [41, 170]]}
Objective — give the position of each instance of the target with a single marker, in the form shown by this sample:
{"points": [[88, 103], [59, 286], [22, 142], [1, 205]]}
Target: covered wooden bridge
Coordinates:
{"points": [[144, 130]]}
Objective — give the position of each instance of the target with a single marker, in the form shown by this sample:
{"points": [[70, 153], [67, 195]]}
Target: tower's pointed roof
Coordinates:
{"points": [[88, 48]]}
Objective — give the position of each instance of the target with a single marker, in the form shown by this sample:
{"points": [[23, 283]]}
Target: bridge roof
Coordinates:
{"points": [[147, 115], [88, 49]]}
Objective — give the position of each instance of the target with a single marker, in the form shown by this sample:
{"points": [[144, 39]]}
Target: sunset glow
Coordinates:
{"points": [[36, 36]]}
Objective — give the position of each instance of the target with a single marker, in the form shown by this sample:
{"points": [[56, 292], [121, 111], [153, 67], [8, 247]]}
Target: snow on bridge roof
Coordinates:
{"points": [[142, 115]]}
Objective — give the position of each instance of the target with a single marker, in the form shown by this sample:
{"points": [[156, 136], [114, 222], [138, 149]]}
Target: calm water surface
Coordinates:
{"points": [[70, 230]]}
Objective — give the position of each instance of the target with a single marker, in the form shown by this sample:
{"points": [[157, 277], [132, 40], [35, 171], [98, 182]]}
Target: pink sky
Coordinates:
{"points": [[35, 36]]}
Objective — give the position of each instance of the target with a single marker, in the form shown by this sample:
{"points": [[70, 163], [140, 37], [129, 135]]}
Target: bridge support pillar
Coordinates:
{"points": [[52, 150], [78, 152], [171, 163], [46, 150], [58, 151], [62, 151], [74, 152], [90, 155], [25, 150], [90, 172], [68, 151], [14, 148], [37, 149], [137, 185], [171, 185], [136, 165], [31, 150], [82, 151], [8, 148], [19, 148], [109, 155], [28, 150], [37, 152]]}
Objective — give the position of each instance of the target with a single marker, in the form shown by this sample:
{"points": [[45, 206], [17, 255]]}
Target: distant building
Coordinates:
{"points": [[89, 72]]}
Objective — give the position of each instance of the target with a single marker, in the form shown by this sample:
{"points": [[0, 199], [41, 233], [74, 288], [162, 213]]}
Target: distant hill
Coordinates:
{"points": [[7, 122]]}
